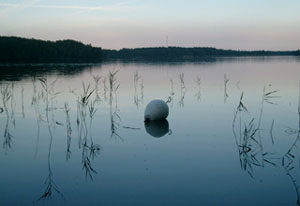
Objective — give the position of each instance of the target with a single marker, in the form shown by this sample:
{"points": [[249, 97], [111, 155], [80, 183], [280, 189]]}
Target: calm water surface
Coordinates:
{"points": [[77, 136]]}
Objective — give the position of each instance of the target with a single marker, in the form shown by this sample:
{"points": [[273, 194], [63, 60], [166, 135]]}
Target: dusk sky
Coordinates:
{"points": [[231, 24]]}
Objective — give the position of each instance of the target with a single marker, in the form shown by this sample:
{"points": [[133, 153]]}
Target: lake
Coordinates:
{"points": [[75, 135]]}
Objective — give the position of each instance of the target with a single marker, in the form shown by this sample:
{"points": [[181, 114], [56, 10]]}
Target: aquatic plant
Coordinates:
{"points": [[69, 131], [85, 96], [142, 91], [170, 100], [82, 104], [113, 84], [92, 109], [198, 82], [97, 92], [105, 88], [6, 93], [92, 112], [113, 111], [49, 95], [94, 150], [249, 147], [137, 79], [89, 149], [86, 163], [50, 187], [267, 97], [226, 80], [22, 99], [7, 143], [6, 96], [49, 182], [289, 158], [271, 131], [182, 90], [241, 106]]}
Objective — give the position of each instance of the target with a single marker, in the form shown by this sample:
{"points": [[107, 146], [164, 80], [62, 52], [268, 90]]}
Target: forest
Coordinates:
{"points": [[189, 54], [21, 50]]}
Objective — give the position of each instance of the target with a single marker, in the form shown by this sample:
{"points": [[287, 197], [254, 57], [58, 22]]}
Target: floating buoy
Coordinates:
{"points": [[157, 128], [156, 110]]}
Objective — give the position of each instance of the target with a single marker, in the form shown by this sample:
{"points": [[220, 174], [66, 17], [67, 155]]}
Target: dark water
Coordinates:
{"points": [[231, 138]]}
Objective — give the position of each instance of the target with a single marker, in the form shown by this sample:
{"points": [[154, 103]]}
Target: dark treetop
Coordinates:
{"points": [[21, 50]]}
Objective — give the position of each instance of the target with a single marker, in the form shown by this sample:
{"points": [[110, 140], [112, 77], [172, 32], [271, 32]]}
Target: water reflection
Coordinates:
{"points": [[89, 148], [48, 95], [248, 138], [157, 128], [50, 185], [138, 89], [97, 79], [289, 159], [198, 93], [7, 96], [48, 117], [113, 109], [226, 80], [182, 90], [105, 88], [19, 72], [69, 131], [35, 102], [171, 102]]}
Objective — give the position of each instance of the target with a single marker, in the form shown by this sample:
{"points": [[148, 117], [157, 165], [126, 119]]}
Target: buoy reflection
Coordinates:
{"points": [[157, 128]]}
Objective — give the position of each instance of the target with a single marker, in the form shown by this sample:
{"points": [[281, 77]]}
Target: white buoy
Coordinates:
{"points": [[156, 110]]}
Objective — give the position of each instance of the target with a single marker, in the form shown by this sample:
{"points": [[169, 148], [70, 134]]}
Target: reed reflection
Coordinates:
{"points": [[35, 103], [48, 95], [115, 118], [198, 93], [7, 96], [97, 90], [248, 140], [171, 103], [69, 131], [182, 90], [89, 148], [291, 159], [138, 85], [226, 80]]}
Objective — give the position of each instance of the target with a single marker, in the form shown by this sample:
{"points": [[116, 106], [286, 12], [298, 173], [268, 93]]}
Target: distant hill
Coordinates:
{"points": [[181, 53], [21, 50]]}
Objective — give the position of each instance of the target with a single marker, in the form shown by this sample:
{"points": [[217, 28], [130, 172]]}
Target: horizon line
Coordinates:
{"points": [[149, 47]]}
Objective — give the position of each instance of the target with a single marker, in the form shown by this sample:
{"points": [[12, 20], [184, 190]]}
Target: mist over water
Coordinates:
{"points": [[76, 135]]}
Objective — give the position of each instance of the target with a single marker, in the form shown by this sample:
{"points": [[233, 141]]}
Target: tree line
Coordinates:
{"points": [[22, 50], [181, 53]]}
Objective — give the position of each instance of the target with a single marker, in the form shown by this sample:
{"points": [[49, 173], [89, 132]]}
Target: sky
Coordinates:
{"points": [[116, 24]]}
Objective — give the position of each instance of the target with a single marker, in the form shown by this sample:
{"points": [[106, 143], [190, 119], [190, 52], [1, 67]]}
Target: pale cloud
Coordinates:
{"points": [[122, 6], [7, 10]]}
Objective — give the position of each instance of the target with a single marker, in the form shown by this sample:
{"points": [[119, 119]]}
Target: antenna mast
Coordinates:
{"points": [[167, 41]]}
